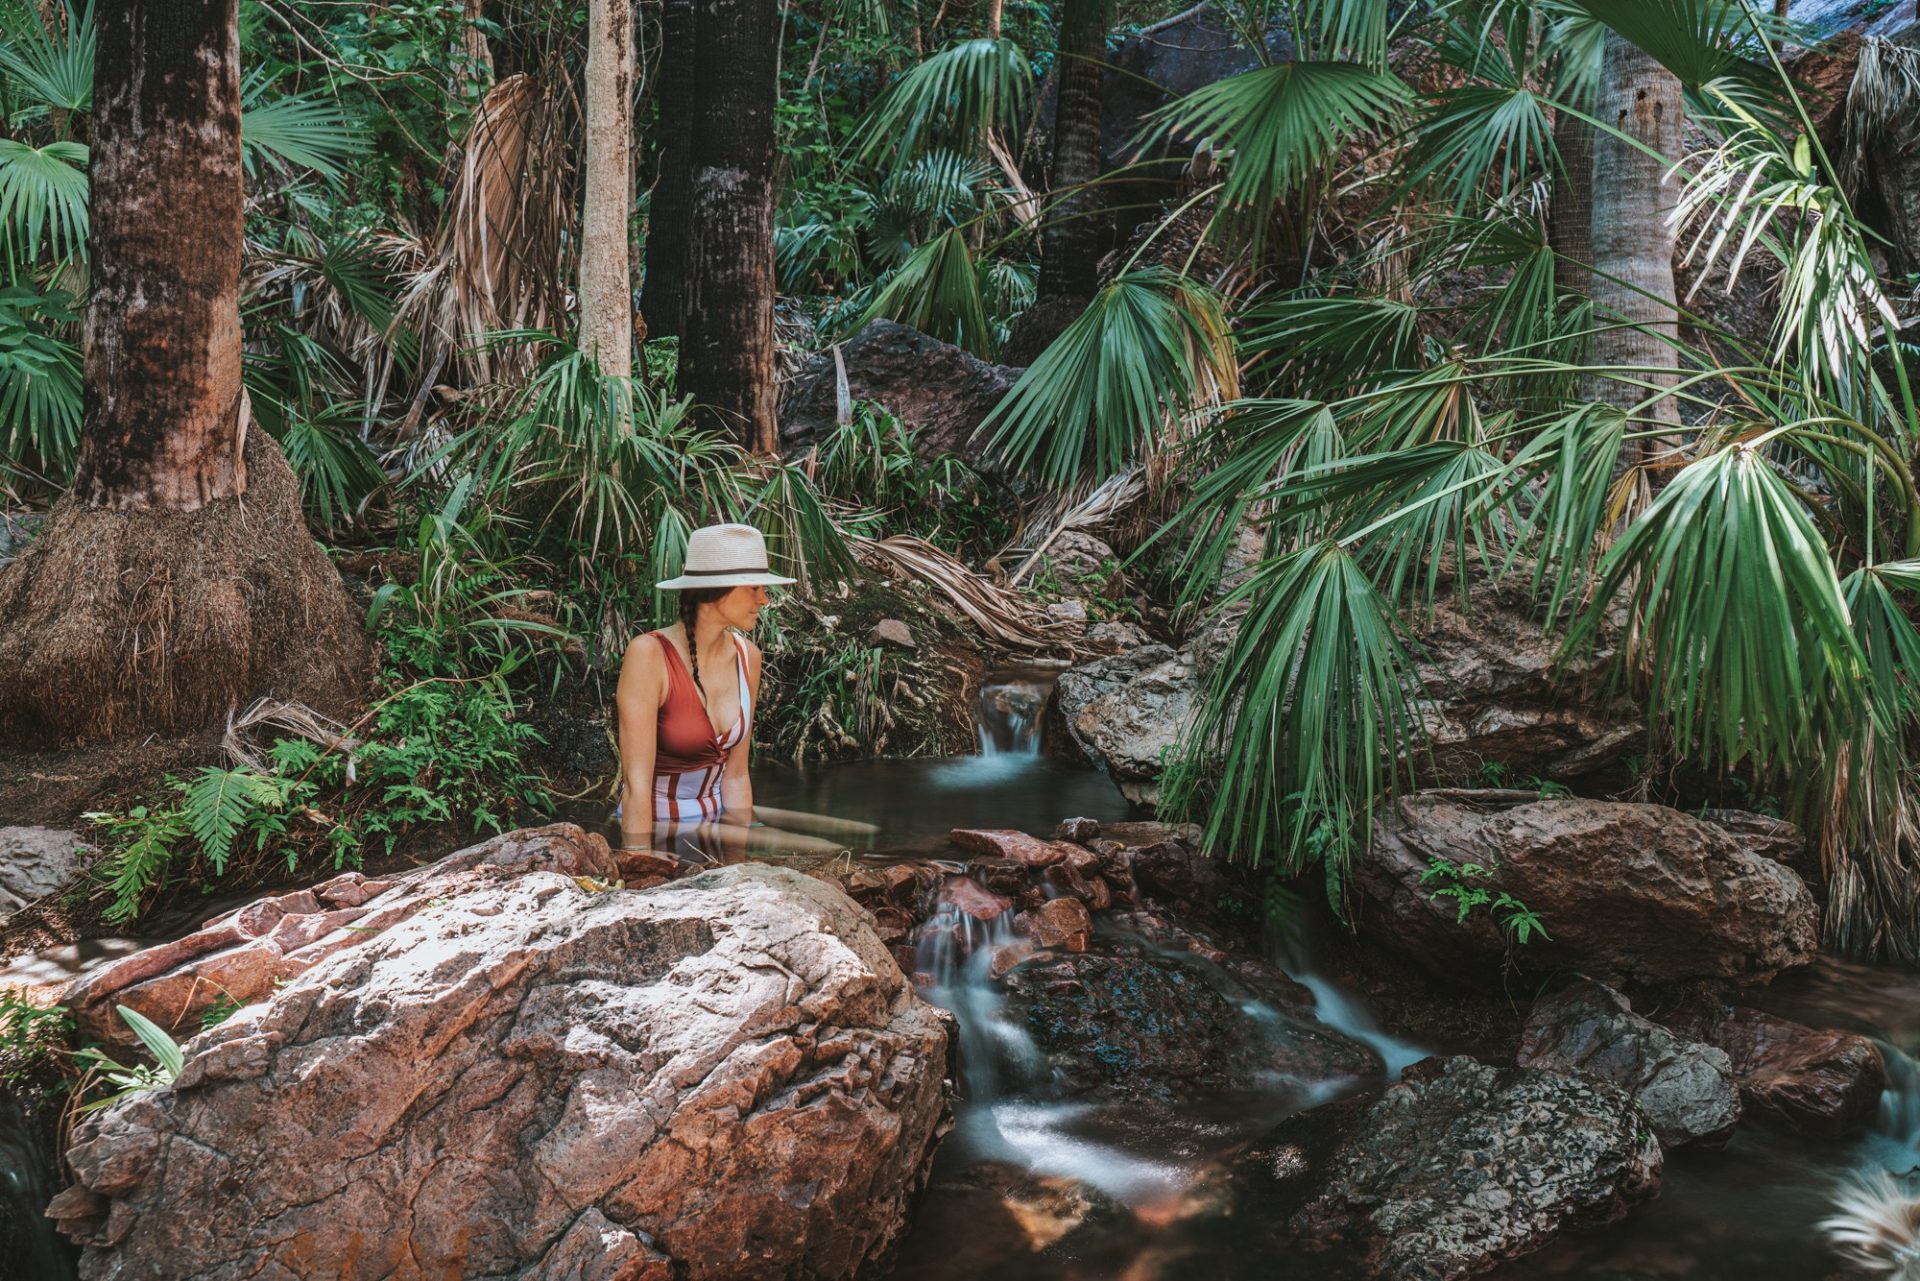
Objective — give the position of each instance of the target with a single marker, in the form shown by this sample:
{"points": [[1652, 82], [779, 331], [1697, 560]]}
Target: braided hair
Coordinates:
{"points": [[691, 599]]}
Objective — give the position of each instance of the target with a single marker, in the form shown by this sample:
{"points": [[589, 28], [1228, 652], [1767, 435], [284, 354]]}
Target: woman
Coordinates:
{"points": [[687, 693]]}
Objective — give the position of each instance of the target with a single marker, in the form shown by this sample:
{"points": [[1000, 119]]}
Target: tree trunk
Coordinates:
{"points": [[996, 11], [1570, 222], [1633, 238], [726, 341], [606, 285], [1070, 248], [164, 415], [670, 209], [155, 599]]}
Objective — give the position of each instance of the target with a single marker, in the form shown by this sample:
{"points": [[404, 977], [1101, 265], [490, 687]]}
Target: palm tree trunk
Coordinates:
{"points": [[1070, 248], [1570, 222], [996, 11], [606, 285], [154, 599], [726, 343], [164, 416], [670, 208], [1633, 235]]}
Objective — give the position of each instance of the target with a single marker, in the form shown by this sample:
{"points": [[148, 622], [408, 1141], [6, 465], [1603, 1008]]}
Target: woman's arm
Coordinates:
{"points": [[736, 785], [637, 703]]}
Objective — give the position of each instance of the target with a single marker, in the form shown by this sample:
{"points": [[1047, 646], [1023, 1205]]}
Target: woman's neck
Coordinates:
{"points": [[708, 629]]}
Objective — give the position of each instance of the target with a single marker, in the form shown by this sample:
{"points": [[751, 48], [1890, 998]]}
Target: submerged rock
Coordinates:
{"points": [[1122, 1021], [1623, 890], [1685, 1088], [1819, 1082], [523, 1074], [1460, 1168]]}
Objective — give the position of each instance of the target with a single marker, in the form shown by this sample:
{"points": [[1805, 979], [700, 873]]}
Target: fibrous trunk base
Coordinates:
{"points": [[128, 622]]}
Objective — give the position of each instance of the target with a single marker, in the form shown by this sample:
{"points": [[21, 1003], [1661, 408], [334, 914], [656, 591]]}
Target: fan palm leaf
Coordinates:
{"points": [[937, 291], [50, 61], [1149, 348], [302, 131], [954, 96], [43, 201]]}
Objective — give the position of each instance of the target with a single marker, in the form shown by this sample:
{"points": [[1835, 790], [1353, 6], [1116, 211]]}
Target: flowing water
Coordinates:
{"points": [[1031, 1186]]}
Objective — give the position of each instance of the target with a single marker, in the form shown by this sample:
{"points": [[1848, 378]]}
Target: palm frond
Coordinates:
{"points": [[50, 60], [1281, 124], [40, 392], [1741, 630], [302, 131], [43, 200], [1306, 720], [937, 291], [1148, 349], [955, 96]]}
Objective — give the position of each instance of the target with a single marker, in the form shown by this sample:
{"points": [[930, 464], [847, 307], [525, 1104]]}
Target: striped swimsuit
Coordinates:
{"points": [[689, 758]]}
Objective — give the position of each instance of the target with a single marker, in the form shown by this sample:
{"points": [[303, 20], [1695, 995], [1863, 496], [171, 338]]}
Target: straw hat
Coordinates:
{"points": [[724, 556]]}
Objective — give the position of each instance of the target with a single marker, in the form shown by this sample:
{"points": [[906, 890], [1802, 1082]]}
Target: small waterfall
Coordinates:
{"points": [[1010, 711], [1899, 1118], [956, 953]]}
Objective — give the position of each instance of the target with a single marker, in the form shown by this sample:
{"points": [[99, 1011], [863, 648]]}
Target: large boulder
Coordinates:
{"points": [[1459, 1167], [1820, 1082], [1622, 890], [530, 1074], [941, 391], [1685, 1088], [1122, 1021], [1130, 712]]}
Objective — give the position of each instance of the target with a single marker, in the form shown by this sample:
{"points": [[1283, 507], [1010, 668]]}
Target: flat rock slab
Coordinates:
{"points": [[525, 1076]]}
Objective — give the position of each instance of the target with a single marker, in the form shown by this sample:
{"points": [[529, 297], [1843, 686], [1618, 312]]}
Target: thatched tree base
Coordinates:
{"points": [[120, 623]]}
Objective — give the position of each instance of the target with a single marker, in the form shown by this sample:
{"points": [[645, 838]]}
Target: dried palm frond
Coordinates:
{"points": [[1002, 616], [1876, 1225], [501, 256], [292, 717], [1086, 509], [1885, 86]]}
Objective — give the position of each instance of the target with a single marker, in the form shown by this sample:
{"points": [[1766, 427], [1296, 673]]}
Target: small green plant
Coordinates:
{"points": [[141, 1077], [1491, 774], [29, 1034], [223, 1008], [1548, 789], [1519, 921]]}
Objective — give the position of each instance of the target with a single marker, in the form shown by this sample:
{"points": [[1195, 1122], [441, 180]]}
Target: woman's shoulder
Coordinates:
{"points": [[645, 648]]}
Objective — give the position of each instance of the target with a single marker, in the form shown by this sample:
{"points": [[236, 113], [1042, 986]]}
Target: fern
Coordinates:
{"points": [[220, 802]]}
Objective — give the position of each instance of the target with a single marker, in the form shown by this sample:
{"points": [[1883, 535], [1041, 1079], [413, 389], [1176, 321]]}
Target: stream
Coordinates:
{"points": [[1033, 1184]]}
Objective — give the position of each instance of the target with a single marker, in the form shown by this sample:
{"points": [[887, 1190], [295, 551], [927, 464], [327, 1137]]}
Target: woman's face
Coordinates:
{"points": [[740, 608]]}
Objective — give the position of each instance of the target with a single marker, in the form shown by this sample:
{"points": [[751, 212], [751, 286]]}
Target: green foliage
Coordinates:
{"points": [[937, 291], [1514, 917], [140, 1078], [30, 1035], [1149, 348], [955, 97]]}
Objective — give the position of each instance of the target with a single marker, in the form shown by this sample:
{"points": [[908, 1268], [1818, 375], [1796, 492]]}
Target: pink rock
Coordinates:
{"points": [[1009, 844], [970, 898], [1062, 923]]}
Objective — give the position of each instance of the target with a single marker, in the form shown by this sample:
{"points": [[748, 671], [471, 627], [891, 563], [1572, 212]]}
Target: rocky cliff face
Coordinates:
{"points": [[518, 1072]]}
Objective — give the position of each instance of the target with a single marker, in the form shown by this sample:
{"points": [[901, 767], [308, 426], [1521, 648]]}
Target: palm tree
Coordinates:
{"points": [[154, 598], [669, 208], [1383, 443], [726, 342], [606, 286], [1070, 254]]}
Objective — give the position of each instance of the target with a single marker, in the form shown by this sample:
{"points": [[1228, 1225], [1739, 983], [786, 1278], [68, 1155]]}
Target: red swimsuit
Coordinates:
{"points": [[689, 759]]}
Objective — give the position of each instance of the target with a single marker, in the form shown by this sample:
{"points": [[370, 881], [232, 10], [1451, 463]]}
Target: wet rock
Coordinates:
{"points": [[970, 898], [1078, 830], [1822, 1083], [1121, 1021], [935, 388], [1005, 843], [522, 1076], [1462, 1166], [38, 861], [637, 865], [1059, 923], [1128, 711], [891, 633], [1770, 837], [1622, 890], [1685, 1088]]}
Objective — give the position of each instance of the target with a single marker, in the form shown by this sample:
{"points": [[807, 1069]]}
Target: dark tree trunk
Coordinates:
{"points": [[156, 598], [1070, 248], [670, 210], [1570, 222], [164, 415], [726, 340]]}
